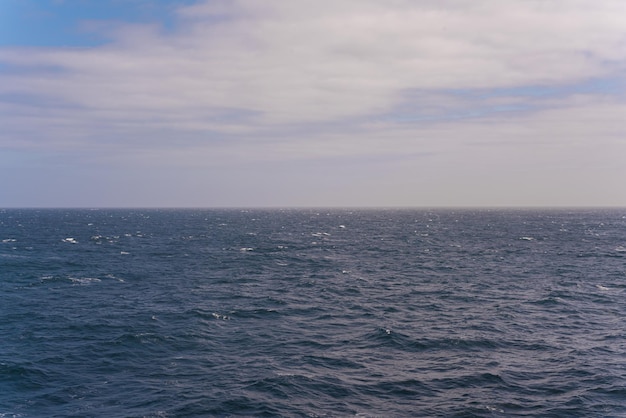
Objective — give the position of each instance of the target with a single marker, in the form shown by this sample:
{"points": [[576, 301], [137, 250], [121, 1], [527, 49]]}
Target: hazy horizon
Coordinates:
{"points": [[340, 208]]}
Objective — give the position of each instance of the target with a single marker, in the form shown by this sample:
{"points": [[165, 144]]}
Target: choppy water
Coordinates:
{"points": [[168, 313]]}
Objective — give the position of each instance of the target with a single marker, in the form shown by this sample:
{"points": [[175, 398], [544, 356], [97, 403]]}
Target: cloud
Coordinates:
{"points": [[291, 62], [460, 83]]}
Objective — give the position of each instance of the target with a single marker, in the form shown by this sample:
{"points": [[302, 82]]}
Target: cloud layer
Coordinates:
{"points": [[471, 86]]}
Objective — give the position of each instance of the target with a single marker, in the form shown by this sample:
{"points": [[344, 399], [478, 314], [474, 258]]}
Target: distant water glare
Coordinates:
{"points": [[320, 313]]}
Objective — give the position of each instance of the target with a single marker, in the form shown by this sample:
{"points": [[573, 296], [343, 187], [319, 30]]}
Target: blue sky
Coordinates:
{"points": [[66, 22], [119, 103]]}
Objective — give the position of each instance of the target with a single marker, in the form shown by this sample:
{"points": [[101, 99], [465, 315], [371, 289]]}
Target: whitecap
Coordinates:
{"points": [[320, 234], [9, 240], [599, 286], [70, 240], [114, 277], [124, 253], [246, 249], [84, 280], [527, 238], [494, 409]]}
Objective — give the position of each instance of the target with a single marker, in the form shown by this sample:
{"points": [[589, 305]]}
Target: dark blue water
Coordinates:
{"points": [[173, 313]]}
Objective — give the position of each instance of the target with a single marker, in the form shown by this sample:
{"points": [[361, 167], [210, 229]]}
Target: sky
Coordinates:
{"points": [[312, 103]]}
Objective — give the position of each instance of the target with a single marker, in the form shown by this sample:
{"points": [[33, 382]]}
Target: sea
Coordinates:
{"points": [[312, 313]]}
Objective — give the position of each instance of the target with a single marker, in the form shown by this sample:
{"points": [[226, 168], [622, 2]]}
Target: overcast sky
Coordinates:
{"points": [[138, 103]]}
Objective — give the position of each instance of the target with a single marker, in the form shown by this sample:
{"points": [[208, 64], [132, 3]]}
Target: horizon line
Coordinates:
{"points": [[329, 207]]}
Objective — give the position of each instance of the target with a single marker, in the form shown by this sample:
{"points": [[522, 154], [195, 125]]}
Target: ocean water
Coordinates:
{"points": [[319, 313]]}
